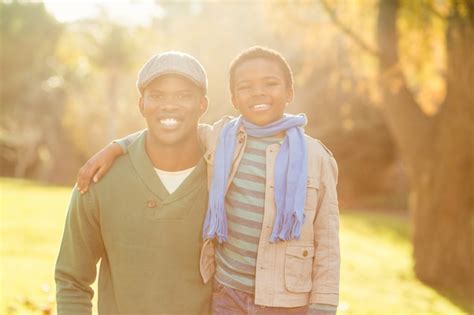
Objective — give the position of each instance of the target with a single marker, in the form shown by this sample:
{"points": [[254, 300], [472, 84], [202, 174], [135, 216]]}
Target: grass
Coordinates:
{"points": [[376, 270], [376, 273]]}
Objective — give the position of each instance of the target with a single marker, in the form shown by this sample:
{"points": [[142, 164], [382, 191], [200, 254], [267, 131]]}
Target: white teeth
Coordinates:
{"points": [[261, 107], [169, 122]]}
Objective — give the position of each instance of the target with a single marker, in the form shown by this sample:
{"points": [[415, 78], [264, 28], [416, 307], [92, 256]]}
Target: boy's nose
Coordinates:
{"points": [[258, 90]]}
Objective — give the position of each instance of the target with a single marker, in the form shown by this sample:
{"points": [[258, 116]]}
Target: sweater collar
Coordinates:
{"points": [[144, 167]]}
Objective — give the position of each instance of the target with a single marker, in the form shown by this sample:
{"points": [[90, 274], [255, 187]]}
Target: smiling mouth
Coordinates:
{"points": [[169, 123], [260, 107]]}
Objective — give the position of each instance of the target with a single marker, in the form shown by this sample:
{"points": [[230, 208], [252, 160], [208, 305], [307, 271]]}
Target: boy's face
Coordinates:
{"points": [[172, 106], [260, 92]]}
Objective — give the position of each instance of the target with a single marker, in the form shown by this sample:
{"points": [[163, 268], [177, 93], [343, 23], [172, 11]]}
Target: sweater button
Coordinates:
{"points": [[151, 204], [305, 253], [241, 140]]}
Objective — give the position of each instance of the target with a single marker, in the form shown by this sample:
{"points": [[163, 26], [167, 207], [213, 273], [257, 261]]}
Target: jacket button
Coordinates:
{"points": [[209, 156], [151, 204], [305, 253]]}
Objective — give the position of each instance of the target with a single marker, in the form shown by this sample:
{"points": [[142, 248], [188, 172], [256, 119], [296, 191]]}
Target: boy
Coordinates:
{"points": [[273, 210]]}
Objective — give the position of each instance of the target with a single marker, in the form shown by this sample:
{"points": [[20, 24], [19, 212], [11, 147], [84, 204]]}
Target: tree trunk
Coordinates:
{"points": [[112, 89], [438, 154]]}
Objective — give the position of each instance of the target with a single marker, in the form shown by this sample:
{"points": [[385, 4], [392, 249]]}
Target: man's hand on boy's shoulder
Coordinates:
{"points": [[208, 134]]}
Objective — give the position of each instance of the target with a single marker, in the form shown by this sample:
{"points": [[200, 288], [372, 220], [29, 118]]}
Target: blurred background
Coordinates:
{"points": [[387, 85]]}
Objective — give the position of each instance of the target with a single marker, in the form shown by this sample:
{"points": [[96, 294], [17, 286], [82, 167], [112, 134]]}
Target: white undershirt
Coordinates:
{"points": [[172, 180]]}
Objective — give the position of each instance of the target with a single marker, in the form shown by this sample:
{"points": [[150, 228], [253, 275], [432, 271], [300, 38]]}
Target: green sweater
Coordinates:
{"points": [[147, 241]]}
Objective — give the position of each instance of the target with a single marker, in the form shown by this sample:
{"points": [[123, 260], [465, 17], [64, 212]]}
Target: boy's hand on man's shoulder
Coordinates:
{"points": [[97, 166]]}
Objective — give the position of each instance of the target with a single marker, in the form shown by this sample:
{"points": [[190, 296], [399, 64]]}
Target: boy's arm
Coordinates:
{"points": [[209, 134], [326, 236], [125, 142], [100, 162], [81, 248]]}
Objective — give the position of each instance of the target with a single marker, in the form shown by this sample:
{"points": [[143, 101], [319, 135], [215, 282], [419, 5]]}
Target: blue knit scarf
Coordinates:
{"points": [[290, 177]]}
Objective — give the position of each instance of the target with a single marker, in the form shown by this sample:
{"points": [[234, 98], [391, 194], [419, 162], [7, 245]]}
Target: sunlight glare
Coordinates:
{"points": [[131, 13]]}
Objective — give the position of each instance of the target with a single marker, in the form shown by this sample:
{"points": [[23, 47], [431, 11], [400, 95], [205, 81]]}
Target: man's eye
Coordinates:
{"points": [[184, 96], [272, 83], [243, 87]]}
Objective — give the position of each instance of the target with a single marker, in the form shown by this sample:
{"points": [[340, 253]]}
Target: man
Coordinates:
{"points": [[143, 220]]}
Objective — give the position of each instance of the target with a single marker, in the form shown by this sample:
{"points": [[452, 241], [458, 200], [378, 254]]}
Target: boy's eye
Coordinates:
{"points": [[243, 87], [272, 83]]}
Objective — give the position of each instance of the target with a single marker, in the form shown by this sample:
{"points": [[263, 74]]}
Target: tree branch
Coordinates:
{"points": [[347, 30], [411, 128], [429, 6]]}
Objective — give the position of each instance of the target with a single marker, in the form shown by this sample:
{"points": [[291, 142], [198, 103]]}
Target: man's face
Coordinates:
{"points": [[260, 92], [172, 106]]}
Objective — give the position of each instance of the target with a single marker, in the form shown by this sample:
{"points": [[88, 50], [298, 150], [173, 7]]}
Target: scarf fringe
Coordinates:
{"points": [[288, 219], [287, 228], [215, 224]]}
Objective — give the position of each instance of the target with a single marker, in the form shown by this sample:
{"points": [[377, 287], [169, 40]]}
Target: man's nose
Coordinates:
{"points": [[169, 104]]}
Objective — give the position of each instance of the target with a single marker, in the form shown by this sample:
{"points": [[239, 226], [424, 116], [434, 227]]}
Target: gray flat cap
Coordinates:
{"points": [[172, 62]]}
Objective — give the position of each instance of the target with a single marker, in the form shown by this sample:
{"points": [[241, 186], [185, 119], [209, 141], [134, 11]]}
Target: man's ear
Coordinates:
{"points": [[203, 106], [141, 106]]}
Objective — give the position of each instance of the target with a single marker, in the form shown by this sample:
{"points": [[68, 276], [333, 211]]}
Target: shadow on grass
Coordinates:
{"points": [[395, 224], [458, 298]]}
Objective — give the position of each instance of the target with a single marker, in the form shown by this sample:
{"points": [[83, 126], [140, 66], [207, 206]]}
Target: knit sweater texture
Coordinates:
{"points": [[147, 242]]}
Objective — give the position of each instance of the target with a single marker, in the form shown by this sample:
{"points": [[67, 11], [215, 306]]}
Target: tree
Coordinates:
{"points": [[437, 150], [434, 142], [30, 88], [113, 55]]}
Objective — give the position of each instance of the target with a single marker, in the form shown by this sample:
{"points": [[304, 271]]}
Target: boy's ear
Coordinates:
{"points": [[234, 102], [141, 106], [290, 93]]}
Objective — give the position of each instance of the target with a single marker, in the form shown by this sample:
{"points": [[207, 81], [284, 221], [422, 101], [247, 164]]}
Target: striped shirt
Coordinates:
{"points": [[244, 204]]}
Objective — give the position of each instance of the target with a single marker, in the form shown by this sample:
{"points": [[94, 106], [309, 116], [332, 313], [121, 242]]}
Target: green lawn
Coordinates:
{"points": [[376, 275]]}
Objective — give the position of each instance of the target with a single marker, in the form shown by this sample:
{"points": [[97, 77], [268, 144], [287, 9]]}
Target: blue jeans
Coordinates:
{"points": [[228, 301]]}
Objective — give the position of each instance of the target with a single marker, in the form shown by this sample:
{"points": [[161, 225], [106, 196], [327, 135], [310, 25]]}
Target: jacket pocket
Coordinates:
{"points": [[312, 193], [298, 268]]}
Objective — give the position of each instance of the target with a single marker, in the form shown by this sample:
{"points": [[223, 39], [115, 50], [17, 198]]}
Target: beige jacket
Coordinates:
{"points": [[297, 272]]}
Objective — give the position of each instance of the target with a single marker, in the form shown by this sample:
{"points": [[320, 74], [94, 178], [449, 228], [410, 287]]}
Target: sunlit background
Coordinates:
{"points": [[386, 85]]}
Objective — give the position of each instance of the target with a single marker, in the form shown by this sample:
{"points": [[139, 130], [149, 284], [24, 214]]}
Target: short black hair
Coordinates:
{"points": [[256, 52]]}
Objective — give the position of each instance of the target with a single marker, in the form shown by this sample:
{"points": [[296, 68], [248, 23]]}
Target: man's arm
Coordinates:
{"points": [[326, 236], [81, 248]]}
